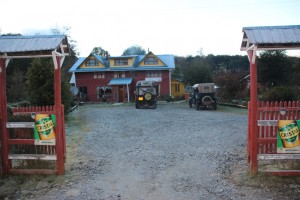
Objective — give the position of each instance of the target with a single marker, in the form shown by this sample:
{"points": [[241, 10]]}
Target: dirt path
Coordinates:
{"points": [[172, 152]]}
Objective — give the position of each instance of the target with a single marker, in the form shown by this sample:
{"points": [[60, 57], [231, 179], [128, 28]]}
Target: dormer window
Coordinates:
{"points": [[91, 62], [121, 62], [151, 61]]}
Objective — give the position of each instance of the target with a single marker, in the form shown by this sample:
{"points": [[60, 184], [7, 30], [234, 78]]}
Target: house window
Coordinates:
{"points": [[150, 61], [91, 62], [119, 75], [99, 75], [104, 93], [153, 73], [121, 62]]}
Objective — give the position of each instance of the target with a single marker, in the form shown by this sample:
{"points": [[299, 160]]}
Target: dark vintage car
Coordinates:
{"points": [[203, 96], [146, 94]]}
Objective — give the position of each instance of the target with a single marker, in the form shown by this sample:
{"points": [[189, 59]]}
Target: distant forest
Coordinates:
{"points": [[278, 75]]}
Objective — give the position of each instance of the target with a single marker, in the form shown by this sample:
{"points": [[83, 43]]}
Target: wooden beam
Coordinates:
{"points": [[266, 140], [32, 157], [267, 122], [282, 172], [278, 156], [33, 171], [20, 141], [3, 114], [19, 124], [253, 148]]}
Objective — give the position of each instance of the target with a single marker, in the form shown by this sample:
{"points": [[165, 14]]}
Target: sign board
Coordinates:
{"points": [[44, 129], [288, 140], [155, 79]]}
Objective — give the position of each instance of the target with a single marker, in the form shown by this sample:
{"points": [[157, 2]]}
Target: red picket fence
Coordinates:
{"points": [[268, 114], [21, 142], [33, 109]]}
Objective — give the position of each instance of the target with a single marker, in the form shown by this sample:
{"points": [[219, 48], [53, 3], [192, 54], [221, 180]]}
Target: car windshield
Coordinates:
{"points": [[143, 90]]}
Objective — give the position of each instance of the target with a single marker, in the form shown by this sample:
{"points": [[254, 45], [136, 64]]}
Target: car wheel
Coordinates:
{"points": [[206, 100], [148, 96]]}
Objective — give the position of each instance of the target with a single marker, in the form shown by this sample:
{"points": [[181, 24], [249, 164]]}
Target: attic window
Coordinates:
{"points": [[121, 62], [92, 62], [150, 61]]}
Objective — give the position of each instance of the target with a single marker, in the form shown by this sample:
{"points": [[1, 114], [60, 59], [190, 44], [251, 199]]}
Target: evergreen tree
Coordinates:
{"points": [[40, 83], [197, 71], [274, 69]]}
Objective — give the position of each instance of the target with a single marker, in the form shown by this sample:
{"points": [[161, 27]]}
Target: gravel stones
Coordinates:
{"points": [[172, 152]]}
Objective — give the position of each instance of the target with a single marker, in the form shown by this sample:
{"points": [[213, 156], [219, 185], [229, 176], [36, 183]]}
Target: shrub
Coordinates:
{"points": [[280, 93]]}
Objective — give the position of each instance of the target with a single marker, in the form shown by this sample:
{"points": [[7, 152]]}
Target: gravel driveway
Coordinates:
{"points": [[117, 152]]}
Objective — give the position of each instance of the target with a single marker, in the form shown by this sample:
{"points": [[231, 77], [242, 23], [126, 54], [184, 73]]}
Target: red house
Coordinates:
{"points": [[113, 79]]}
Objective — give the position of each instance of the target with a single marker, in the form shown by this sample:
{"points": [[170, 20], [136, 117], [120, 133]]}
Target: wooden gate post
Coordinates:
{"points": [[3, 111], [253, 114], [58, 113]]}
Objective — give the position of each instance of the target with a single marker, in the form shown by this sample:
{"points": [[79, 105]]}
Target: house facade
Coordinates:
{"points": [[113, 78]]}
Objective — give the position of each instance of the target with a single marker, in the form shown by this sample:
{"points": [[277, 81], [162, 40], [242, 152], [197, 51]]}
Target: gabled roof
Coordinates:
{"points": [[99, 58], [168, 60], [79, 61], [149, 54], [271, 37], [37, 44]]}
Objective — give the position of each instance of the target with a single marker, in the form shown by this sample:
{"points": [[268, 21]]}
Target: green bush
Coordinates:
{"points": [[280, 93]]}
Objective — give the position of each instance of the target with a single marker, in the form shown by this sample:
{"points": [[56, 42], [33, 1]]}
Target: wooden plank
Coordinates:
{"points": [[20, 141], [32, 157], [19, 124], [267, 122], [267, 140], [33, 171], [281, 172], [278, 156]]}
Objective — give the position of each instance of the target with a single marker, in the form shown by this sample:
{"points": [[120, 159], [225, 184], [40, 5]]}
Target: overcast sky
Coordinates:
{"points": [[179, 27]]}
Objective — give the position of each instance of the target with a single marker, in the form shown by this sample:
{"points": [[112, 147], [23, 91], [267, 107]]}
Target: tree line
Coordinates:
{"points": [[278, 75]]}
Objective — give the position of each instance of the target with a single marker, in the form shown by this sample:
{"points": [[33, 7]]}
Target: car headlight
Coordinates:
{"points": [[141, 98]]}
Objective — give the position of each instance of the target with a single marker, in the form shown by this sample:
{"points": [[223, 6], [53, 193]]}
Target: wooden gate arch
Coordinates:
{"points": [[38, 46], [257, 39]]}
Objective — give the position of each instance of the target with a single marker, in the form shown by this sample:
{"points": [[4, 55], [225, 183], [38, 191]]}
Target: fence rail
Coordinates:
{"points": [[32, 109]]}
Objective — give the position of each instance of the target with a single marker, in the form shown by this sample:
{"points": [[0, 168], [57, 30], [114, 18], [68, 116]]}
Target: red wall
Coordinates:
{"points": [[87, 79]]}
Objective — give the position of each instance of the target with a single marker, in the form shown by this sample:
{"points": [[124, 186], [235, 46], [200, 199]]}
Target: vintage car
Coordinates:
{"points": [[146, 93], [203, 96]]}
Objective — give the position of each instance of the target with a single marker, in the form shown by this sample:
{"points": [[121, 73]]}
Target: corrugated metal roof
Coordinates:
{"points": [[9, 44], [265, 37], [120, 81]]}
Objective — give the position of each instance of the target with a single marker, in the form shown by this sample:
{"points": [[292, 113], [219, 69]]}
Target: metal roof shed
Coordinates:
{"points": [[55, 46], [263, 38]]}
